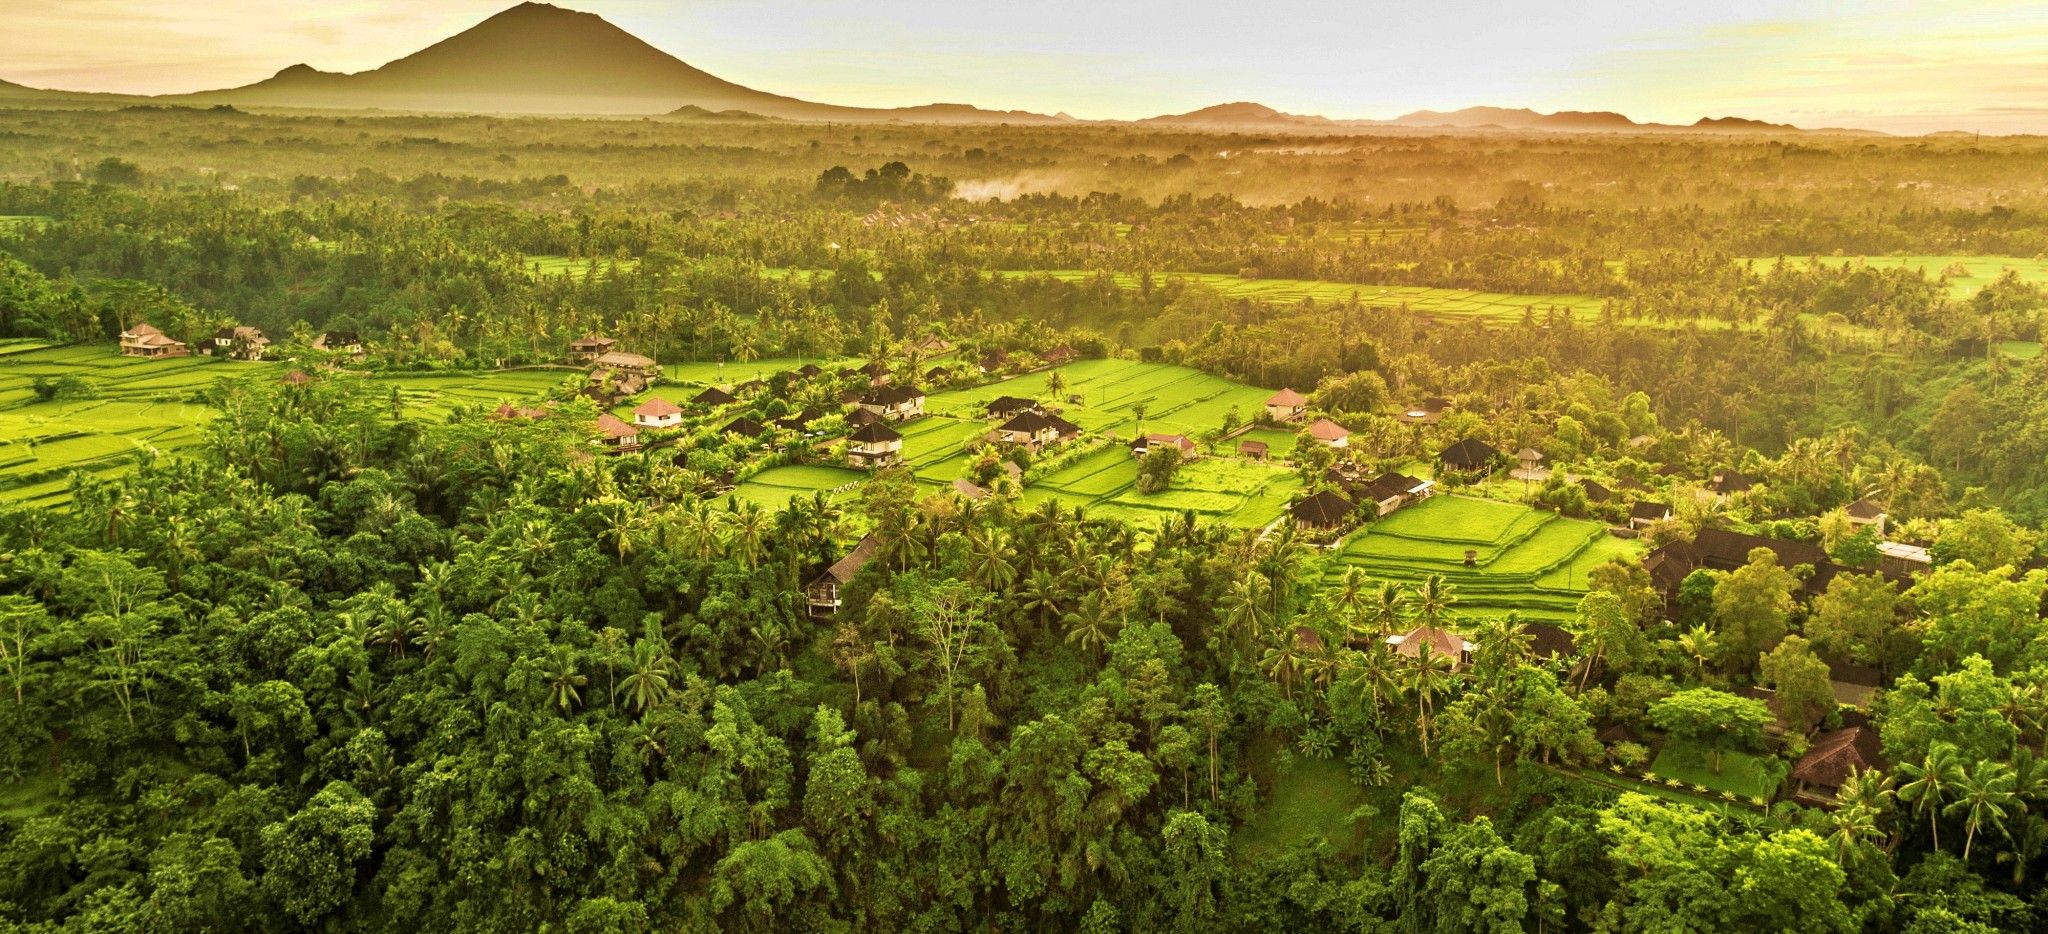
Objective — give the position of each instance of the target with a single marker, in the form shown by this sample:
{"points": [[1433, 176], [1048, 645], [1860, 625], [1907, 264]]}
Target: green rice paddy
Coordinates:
{"points": [[1495, 306], [1975, 271], [1534, 563], [545, 265]]}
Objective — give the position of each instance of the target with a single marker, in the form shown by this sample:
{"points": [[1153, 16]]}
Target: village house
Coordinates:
{"points": [[894, 403], [1391, 491], [933, 345], [509, 412], [822, 594], [809, 370], [1727, 483], [589, 347], [1060, 356], [1530, 459], [1286, 405], [616, 434], [1253, 450], [1470, 456], [744, 427], [800, 421], [342, 343], [1441, 642], [144, 340], [874, 445], [969, 489], [858, 417], [1324, 511], [712, 397], [1596, 492], [1645, 514], [1185, 444], [657, 412], [992, 361], [1866, 514], [1008, 406], [628, 373], [1330, 433], [1897, 559], [1830, 758], [1030, 428], [1722, 550], [238, 343]]}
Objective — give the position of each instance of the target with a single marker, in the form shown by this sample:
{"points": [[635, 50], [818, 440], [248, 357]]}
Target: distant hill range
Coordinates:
{"points": [[536, 58]]}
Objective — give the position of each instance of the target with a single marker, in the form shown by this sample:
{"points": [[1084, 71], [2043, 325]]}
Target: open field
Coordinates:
{"points": [[543, 265], [775, 487], [2021, 350], [1744, 774], [1447, 302], [1977, 271], [713, 373], [1534, 563]]}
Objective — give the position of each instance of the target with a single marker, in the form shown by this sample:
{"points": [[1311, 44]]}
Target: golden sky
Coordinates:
{"points": [[1881, 64]]}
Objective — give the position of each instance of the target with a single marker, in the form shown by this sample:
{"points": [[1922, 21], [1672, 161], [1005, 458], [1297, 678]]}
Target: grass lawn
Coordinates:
{"points": [[1279, 442], [1310, 798], [775, 487], [1747, 775], [2021, 350], [713, 373]]}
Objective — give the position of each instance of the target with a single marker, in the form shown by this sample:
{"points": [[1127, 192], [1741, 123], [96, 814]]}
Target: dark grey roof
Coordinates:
{"points": [[1469, 454], [874, 432], [1323, 509]]}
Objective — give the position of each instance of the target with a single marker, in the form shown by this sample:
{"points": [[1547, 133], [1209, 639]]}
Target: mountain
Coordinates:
{"points": [[1742, 125], [694, 112], [1520, 118], [1239, 114], [541, 59]]}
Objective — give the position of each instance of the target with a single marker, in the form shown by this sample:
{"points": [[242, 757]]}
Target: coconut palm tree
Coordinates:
{"points": [[1374, 673], [1430, 675], [1699, 644], [1984, 795], [1929, 781], [1386, 610], [1433, 600], [1091, 625], [647, 683]]}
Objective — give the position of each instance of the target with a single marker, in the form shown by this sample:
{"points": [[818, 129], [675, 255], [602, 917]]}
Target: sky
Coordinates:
{"points": [[1891, 65]]}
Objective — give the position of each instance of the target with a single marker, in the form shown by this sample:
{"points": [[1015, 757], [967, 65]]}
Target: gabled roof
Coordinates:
{"points": [[1722, 550], [1008, 405], [1390, 485], [144, 330], [1323, 509], [1440, 642], [1323, 429], [1730, 481], [1831, 755], [843, 570], [1649, 512], [862, 417], [622, 359], [1061, 425], [1864, 509], [592, 340], [1528, 454], [1029, 421], [809, 369], [875, 433], [1183, 442], [745, 427], [1252, 447], [713, 396], [798, 421], [969, 489], [1060, 354], [892, 395], [1468, 454], [611, 426], [338, 339], [1287, 397], [1595, 492], [1549, 640], [657, 407]]}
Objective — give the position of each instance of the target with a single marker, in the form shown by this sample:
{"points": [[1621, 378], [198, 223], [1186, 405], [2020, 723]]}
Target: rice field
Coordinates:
{"points": [[1975, 271], [775, 487], [1530, 562], [1497, 306], [546, 265]]}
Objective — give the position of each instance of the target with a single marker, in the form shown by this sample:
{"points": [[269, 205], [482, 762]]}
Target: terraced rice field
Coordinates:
{"points": [[1534, 563], [775, 487], [1241, 493], [151, 405], [1978, 271], [1464, 303], [711, 373]]}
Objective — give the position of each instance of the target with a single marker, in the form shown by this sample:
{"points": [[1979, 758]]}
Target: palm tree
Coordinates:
{"points": [[1374, 674], [1430, 675], [1503, 642], [563, 678], [989, 559], [1852, 822], [1283, 660], [1386, 611], [1699, 643], [1984, 794], [1244, 607], [1433, 600], [1090, 626], [647, 684], [1055, 384], [1928, 781], [1042, 597]]}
